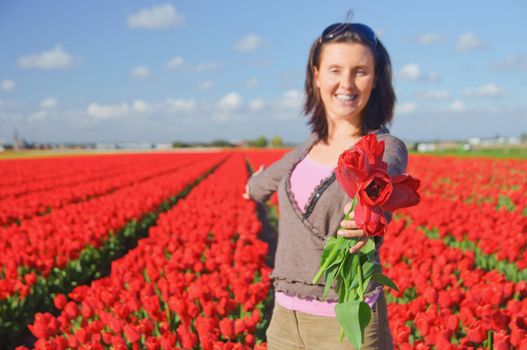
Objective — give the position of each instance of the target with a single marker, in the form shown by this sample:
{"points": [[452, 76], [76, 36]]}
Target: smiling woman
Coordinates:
{"points": [[348, 94]]}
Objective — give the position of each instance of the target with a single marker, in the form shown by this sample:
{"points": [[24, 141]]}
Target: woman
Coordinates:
{"points": [[349, 94]]}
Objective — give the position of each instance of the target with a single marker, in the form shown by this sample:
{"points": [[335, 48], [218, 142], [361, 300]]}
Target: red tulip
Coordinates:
{"points": [[60, 301], [362, 172], [404, 193], [370, 219]]}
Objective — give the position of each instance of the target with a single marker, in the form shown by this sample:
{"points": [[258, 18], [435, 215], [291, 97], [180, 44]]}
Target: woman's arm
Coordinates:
{"points": [[396, 156], [264, 182]]}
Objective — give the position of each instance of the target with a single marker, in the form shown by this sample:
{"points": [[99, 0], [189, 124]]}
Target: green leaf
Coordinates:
{"points": [[368, 247], [384, 280], [329, 277], [368, 269], [346, 272], [354, 317]]}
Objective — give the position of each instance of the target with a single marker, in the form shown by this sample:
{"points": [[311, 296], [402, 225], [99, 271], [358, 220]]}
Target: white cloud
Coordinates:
{"points": [[7, 85], [487, 90], [56, 58], [157, 17], [49, 103], [253, 82], [99, 111], [430, 39], [469, 42], [230, 102], [292, 99], [410, 71], [139, 106], [256, 104], [457, 106], [206, 85], [514, 62], [432, 77], [174, 62], [406, 108], [249, 43], [181, 105], [140, 72], [204, 67], [8, 104], [436, 94], [37, 116]]}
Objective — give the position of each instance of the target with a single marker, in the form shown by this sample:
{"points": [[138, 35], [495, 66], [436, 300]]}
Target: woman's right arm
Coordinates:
{"points": [[264, 182]]}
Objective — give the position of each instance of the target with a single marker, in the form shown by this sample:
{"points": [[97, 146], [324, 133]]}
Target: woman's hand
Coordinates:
{"points": [[246, 194], [351, 230]]}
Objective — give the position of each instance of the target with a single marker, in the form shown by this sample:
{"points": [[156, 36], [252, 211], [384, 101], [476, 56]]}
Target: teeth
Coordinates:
{"points": [[346, 97]]}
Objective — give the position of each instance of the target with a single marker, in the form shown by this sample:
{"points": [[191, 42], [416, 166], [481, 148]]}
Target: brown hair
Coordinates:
{"points": [[380, 107]]}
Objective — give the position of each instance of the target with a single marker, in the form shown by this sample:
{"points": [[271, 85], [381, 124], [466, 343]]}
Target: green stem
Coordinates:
{"points": [[361, 288]]}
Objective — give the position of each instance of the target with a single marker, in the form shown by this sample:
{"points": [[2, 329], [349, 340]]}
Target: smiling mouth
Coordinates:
{"points": [[346, 98]]}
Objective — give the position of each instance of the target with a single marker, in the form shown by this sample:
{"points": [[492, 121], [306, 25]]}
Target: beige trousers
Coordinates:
{"points": [[296, 330]]}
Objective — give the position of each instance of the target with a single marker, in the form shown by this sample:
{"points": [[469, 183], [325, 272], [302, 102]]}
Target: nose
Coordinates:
{"points": [[347, 81]]}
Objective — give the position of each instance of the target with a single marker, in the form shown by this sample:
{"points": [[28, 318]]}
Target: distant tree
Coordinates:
{"points": [[259, 142], [277, 142], [179, 144], [221, 143]]}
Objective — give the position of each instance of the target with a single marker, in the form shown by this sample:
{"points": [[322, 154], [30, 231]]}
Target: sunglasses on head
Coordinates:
{"points": [[337, 29]]}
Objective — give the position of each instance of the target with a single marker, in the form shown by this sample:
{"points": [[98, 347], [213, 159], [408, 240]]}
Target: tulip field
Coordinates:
{"points": [[160, 251]]}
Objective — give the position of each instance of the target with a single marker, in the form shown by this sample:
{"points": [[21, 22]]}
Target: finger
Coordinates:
{"points": [[245, 195], [350, 233], [361, 243], [347, 207], [348, 224]]}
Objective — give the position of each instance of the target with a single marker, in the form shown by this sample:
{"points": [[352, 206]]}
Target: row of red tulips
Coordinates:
{"points": [[444, 299], [491, 230], [89, 186], [21, 176], [495, 182], [76, 243], [198, 280], [45, 242]]}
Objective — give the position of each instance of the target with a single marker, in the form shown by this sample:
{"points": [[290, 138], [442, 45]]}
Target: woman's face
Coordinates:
{"points": [[345, 79]]}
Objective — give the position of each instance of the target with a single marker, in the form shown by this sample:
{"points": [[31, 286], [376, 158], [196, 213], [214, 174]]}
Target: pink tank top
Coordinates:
{"points": [[305, 177]]}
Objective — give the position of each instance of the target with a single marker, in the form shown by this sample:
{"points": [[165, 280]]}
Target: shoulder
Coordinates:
{"points": [[304, 145], [395, 152], [391, 141]]}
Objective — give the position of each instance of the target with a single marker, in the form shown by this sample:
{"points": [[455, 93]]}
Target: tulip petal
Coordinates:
{"points": [[377, 189], [404, 193], [370, 219]]}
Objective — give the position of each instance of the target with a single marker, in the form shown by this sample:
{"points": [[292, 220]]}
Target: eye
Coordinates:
{"points": [[361, 71]]}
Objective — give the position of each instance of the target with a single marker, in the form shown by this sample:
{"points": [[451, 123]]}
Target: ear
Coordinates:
{"points": [[315, 76]]}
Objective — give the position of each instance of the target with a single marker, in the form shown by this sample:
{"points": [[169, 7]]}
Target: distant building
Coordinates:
{"points": [[499, 140], [426, 147], [162, 146]]}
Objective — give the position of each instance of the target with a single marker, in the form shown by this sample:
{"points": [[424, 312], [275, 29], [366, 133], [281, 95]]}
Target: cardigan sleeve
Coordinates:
{"points": [[265, 183], [396, 156]]}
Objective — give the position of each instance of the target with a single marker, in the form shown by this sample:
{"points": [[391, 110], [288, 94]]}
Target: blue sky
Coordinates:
{"points": [[158, 71]]}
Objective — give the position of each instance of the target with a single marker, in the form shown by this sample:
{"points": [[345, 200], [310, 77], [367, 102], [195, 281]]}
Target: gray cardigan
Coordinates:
{"points": [[302, 236]]}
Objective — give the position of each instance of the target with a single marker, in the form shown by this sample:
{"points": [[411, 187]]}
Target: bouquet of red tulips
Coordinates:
{"points": [[363, 175]]}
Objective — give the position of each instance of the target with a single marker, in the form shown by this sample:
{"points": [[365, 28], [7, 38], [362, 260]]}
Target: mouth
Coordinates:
{"points": [[347, 97]]}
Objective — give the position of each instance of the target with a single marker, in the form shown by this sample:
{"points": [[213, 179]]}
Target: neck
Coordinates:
{"points": [[343, 130]]}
